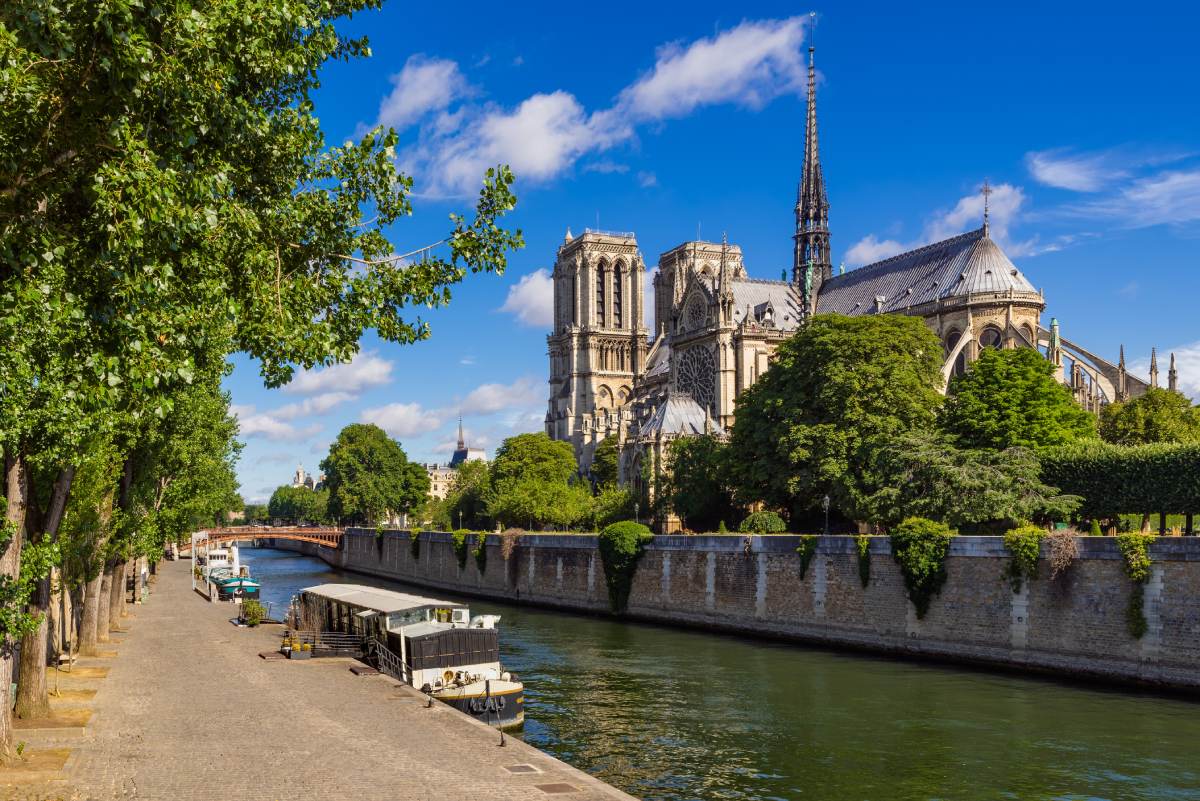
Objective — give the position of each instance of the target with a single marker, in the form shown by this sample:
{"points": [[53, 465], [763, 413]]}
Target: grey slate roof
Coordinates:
{"points": [[962, 265], [757, 295], [679, 414]]}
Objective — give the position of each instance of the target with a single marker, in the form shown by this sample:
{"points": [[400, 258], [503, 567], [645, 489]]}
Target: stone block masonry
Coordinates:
{"points": [[1074, 625]]}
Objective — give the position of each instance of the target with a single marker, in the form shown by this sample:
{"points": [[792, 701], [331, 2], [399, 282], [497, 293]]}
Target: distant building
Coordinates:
{"points": [[302, 479], [441, 476], [463, 453]]}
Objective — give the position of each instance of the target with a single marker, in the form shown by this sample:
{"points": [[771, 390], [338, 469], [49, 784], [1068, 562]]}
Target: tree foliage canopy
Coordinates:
{"points": [[299, 504], [605, 462], [535, 483], [1159, 415], [838, 383], [369, 476], [697, 483], [1009, 399]]}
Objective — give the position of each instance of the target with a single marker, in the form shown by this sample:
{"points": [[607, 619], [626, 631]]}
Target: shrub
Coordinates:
{"points": [[480, 552], [1135, 548], [763, 523], [721, 528], [509, 540], [253, 612], [807, 550], [920, 548], [862, 543], [1096, 532], [1025, 545], [1115, 479], [1064, 550], [414, 543], [459, 540], [621, 546]]}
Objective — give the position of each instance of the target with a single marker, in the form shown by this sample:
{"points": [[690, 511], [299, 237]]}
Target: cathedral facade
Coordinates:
{"points": [[716, 328]]}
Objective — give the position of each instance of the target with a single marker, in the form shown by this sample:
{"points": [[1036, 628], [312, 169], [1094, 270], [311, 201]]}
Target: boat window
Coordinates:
{"points": [[460, 615], [442, 615]]}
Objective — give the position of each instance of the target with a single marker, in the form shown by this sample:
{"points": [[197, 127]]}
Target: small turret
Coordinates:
{"points": [[1173, 376], [1154, 368]]}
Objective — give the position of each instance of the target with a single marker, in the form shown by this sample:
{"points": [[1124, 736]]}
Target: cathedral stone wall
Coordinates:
{"points": [[1073, 625]]}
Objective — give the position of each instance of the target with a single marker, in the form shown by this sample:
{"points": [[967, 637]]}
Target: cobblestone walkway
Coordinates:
{"points": [[189, 712]]}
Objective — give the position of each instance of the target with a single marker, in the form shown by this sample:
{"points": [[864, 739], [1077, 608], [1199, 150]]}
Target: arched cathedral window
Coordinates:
{"points": [[600, 296], [616, 298], [991, 338]]}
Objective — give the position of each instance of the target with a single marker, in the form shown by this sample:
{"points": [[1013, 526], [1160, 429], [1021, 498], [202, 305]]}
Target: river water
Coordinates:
{"points": [[670, 715]]}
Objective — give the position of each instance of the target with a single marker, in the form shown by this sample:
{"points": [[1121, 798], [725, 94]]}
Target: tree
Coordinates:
{"points": [[534, 483], [1159, 415], [299, 504], [370, 478], [1008, 399], [697, 483], [605, 460], [838, 383], [167, 197], [466, 502], [922, 474]]}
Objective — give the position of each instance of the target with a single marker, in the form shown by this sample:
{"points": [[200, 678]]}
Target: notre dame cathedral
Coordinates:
{"points": [[717, 327]]}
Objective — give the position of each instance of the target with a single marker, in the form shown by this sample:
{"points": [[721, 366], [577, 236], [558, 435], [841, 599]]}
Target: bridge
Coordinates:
{"points": [[328, 537]]}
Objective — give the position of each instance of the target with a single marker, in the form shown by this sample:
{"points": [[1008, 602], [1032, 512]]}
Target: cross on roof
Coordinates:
{"points": [[986, 190]]}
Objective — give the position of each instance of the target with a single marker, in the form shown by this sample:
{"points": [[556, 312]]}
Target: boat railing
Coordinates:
{"points": [[337, 641], [386, 661]]}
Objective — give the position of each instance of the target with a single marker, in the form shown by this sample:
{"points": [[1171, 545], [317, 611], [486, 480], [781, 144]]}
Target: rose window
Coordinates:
{"points": [[697, 375]]}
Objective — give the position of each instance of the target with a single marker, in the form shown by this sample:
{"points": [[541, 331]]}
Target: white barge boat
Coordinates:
{"points": [[433, 645]]}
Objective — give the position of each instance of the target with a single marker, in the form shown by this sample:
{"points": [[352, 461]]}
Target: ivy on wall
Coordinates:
{"points": [[621, 546], [920, 548], [1135, 548], [459, 541], [480, 552], [414, 543], [807, 550], [1025, 545], [862, 544]]}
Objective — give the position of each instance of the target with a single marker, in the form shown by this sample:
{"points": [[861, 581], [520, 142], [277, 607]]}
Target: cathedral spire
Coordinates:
{"points": [[1122, 382], [1173, 376], [1154, 368], [812, 205], [462, 442]]}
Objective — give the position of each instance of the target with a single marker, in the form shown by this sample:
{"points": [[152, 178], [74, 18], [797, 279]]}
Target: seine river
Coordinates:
{"points": [[672, 715]]}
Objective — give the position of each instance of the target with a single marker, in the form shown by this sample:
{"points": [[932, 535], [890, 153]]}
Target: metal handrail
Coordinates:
{"points": [[330, 639], [388, 662]]}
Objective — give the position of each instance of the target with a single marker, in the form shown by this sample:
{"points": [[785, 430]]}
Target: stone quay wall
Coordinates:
{"points": [[1074, 625]]}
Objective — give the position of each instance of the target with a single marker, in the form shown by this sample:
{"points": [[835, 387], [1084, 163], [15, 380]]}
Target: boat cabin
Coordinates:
{"points": [[436, 640]]}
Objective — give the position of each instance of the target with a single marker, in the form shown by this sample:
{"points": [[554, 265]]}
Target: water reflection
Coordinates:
{"points": [[672, 715]]}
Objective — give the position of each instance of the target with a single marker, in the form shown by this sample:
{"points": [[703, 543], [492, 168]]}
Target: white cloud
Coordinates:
{"points": [[263, 424], [1005, 205], [606, 166], [1079, 172], [318, 404], [1166, 198], [531, 299], [749, 65], [489, 398], [403, 419], [277, 457], [546, 134], [424, 85], [647, 179], [366, 369]]}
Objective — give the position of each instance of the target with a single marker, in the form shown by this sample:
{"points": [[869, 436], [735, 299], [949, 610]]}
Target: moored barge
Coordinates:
{"points": [[433, 645]]}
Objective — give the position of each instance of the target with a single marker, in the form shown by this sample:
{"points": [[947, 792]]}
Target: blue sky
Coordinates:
{"points": [[666, 119]]}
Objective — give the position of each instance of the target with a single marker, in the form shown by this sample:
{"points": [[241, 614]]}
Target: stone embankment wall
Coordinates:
{"points": [[1072, 625]]}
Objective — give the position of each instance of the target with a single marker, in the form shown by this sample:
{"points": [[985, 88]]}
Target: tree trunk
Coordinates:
{"points": [[89, 626], [1190, 531], [116, 594], [32, 699], [102, 604], [16, 487]]}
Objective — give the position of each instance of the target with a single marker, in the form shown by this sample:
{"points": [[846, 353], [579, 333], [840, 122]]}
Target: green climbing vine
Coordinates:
{"points": [[862, 544], [459, 540], [621, 546], [920, 548], [414, 543], [807, 550], [1025, 545], [1135, 548], [480, 552]]}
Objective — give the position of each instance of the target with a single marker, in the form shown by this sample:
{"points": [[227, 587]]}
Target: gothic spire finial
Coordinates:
{"points": [[1173, 376], [462, 442], [1154, 367], [812, 203], [986, 191]]}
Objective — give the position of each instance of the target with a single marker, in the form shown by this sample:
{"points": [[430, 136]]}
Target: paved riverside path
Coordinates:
{"points": [[190, 712]]}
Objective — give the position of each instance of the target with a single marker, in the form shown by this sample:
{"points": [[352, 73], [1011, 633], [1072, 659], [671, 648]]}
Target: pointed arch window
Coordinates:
{"points": [[600, 296], [616, 298]]}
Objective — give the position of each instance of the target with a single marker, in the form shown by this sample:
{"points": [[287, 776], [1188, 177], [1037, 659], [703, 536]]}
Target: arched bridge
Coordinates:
{"points": [[329, 537]]}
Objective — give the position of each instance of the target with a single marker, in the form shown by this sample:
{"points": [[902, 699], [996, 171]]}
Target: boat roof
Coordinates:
{"points": [[377, 599]]}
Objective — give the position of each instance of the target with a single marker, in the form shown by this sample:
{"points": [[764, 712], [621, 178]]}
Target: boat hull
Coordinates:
{"points": [[503, 707]]}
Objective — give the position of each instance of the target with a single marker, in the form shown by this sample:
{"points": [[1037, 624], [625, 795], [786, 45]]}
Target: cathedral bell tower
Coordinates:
{"points": [[811, 262]]}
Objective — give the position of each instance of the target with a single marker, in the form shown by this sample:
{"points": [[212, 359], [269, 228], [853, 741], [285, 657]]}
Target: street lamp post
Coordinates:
{"points": [[635, 512], [825, 506]]}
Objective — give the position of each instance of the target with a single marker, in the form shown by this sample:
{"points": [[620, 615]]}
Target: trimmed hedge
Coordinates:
{"points": [[1116, 479], [621, 546], [763, 523]]}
